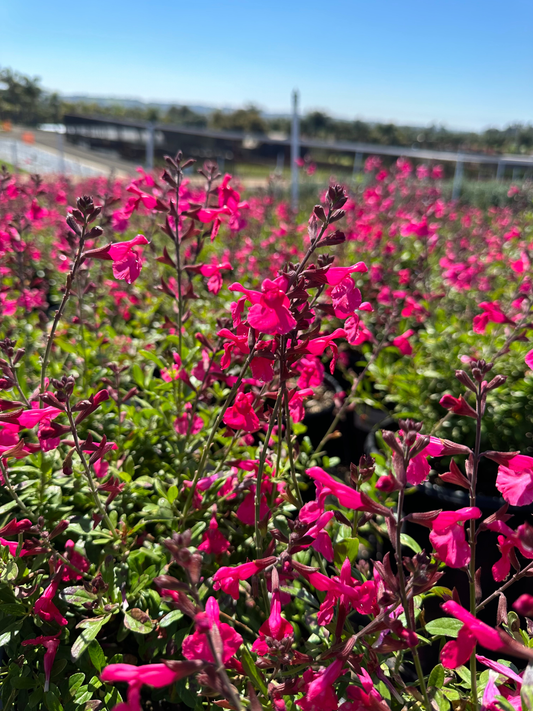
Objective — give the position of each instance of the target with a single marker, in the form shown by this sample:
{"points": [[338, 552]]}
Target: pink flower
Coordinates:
{"points": [[347, 496], [491, 313], [524, 605], [246, 511], [126, 261], [458, 405], [271, 315], [51, 645], [196, 646], [335, 275], [213, 271], [311, 372], [185, 424], [317, 346], [241, 415], [456, 652], [227, 579], [368, 698], [213, 541], [402, 343], [346, 298], [275, 626], [156, 675], [529, 359], [77, 559], [30, 418], [14, 527], [269, 312], [45, 608], [515, 483], [448, 537], [320, 695], [296, 404]]}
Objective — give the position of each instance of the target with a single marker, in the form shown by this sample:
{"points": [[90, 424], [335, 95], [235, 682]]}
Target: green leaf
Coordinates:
{"points": [[170, 618], [410, 543], [347, 548], [75, 681], [153, 357], [172, 493], [52, 702], [10, 631], [445, 626], [253, 672], [466, 678], [138, 621], [77, 595], [23, 682], [8, 507], [504, 703], [66, 346], [9, 573], [436, 678], [90, 630], [96, 653]]}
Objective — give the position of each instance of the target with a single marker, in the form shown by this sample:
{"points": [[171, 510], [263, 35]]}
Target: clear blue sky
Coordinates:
{"points": [[463, 63]]}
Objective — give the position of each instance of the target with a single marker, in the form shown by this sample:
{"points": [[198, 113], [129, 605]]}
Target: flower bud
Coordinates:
{"points": [[496, 382], [465, 380], [319, 212]]}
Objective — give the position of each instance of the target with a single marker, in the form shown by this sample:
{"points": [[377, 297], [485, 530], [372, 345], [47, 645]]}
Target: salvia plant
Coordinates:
{"points": [[170, 536]]}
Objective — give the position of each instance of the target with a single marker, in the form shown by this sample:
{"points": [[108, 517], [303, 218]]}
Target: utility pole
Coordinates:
{"points": [[458, 177], [295, 151], [150, 143]]}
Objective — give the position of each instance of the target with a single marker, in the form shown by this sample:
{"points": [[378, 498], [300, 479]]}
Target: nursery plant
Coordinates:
{"points": [[169, 536]]}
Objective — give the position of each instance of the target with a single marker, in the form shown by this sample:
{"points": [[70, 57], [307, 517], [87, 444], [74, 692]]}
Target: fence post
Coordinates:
{"points": [[501, 170], [458, 177], [15, 154], [295, 151], [61, 152], [150, 144], [357, 163]]}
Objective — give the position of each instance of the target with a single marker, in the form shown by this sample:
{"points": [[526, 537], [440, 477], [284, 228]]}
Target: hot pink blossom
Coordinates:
{"points": [[456, 652], [213, 540], [196, 646], [45, 608], [491, 313], [367, 698], [346, 298], [335, 275], [296, 404], [275, 626], [319, 695], [317, 346], [515, 483], [270, 312], [51, 645], [524, 605], [126, 261], [457, 405], [185, 424], [156, 675], [227, 579], [77, 559], [214, 272], [448, 536], [347, 496], [241, 415], [402, 343]]}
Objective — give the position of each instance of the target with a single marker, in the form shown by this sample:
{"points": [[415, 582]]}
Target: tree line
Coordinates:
{"points": [[24, 101]]}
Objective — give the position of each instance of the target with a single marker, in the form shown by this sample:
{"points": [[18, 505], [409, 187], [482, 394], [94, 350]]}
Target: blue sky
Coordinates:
{"points": [[462, 63]]}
